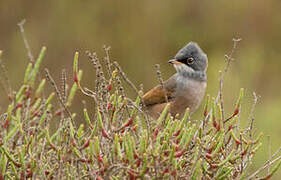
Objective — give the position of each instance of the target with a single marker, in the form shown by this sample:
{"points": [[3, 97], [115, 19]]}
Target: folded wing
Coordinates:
{"points": [[157, 94]]}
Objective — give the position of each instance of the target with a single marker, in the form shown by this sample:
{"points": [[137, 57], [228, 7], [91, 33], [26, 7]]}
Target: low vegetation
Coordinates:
{"points": [[120, 141]]}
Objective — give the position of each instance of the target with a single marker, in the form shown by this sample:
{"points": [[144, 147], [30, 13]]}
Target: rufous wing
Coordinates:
{"points": [[157, 94]]}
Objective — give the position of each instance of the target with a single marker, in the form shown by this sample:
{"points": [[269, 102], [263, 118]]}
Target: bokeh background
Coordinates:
{"points": [[143, 33]]}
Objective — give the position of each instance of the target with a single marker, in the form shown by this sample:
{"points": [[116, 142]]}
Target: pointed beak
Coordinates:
{"points": [[174, 61]]}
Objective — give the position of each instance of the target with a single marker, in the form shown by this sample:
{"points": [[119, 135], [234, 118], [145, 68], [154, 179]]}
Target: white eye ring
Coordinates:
{"points": [[190, 60]]}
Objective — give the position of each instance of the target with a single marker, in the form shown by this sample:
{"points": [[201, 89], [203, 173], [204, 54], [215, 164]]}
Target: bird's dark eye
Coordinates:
{"points": [[190, 60]]}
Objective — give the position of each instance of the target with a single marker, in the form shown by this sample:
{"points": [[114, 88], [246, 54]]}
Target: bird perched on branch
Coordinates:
{"points": [[185, 89]]}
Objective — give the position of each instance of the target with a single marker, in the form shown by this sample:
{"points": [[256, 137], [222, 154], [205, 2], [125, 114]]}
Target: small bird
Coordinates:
{"points": [[185, 89]]}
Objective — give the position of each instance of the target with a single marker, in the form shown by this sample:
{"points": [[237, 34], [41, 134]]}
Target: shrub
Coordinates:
{"points": [[120, 141]]}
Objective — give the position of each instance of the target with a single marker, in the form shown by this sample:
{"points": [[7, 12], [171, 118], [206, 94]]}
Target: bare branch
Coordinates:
{"points": [[52, 82], [125, 78], [157, 67], [26, 44], [268, 163], [251, 118]]}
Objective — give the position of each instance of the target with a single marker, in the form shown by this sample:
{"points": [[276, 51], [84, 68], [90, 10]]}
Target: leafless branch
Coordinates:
{"points": [[26, 44], [159, 75], [251, 118], [125, 78], [52, 82], [4, 77], [264, 167]]}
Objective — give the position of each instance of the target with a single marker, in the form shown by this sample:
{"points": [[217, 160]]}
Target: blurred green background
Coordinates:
{"points": [[143, 33]]}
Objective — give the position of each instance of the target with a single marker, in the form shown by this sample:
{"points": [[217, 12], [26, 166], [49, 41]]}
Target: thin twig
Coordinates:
{"points": [[6, 81], [269, 151], [123, 75], [250, 127], [157, 67], [125, 78], [63, 78], [251, 116], [89, 93], [107, 60], [51, 80], [2, 83], [135, 106], [229, 58], [100, 83], [221, 95], [26, 44], [268, 163], [64, 95]]}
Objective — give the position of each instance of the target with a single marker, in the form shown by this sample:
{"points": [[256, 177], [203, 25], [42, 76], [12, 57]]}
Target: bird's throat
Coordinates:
{"points": [[184, 71]]}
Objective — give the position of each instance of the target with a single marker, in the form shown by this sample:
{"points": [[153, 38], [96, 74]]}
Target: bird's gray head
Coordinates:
{"points": [[190, 58]]}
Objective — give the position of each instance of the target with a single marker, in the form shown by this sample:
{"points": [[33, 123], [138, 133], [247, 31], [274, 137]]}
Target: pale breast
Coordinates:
{"points": [[189, 94]]}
